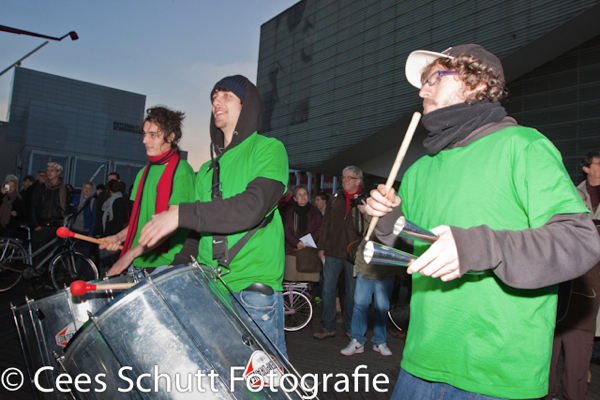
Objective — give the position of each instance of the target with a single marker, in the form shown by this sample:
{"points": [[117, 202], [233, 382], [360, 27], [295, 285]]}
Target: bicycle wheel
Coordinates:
{"points": [[71, 266], [12, 262], [298, 310]]}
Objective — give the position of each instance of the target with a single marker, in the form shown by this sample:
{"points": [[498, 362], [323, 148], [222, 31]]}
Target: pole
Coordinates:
{"points": [[28, 54]]}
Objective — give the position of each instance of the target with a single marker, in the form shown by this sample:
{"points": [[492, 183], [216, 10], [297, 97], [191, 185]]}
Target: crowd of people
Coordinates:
{"points": [[44, 202], [511, 226]]}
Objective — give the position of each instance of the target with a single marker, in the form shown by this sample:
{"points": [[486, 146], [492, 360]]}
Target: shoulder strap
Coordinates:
{"points": [[215, 191], [564, 298], [85, 204], [221, 253], [335, 197], [224, 255], [359, 222]]}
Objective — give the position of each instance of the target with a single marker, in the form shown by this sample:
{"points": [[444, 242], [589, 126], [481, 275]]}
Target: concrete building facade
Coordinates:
{"points": [[332, 74], [89, 129]]}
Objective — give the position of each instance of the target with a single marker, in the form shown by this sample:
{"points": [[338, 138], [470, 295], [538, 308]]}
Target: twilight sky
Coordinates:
{"points": [[172, 51]]}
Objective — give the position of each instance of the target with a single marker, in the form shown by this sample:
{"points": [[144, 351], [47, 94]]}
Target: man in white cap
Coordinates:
{"points": [[510, 226]]}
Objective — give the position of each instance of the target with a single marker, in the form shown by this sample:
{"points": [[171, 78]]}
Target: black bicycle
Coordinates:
{"points": [[64, 262]]}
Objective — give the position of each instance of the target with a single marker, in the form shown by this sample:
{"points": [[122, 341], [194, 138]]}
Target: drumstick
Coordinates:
{"points": [[79, 288], [65, 232], [396, 167]]}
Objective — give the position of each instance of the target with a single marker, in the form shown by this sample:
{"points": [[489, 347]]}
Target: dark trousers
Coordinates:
{"points": [[577, 345], [40, 238]]}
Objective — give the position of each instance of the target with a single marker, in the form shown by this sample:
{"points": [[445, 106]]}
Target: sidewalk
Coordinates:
{"points": [[309, 355]]}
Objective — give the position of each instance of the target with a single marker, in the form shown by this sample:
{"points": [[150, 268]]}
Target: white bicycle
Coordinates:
{"points": [[298, 309]]}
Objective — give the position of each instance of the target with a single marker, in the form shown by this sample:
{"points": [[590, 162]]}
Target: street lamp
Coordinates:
{"points": [[72, 34]]}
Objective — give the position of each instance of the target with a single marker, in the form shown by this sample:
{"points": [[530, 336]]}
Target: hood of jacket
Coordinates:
{"points": [[250, 121]]}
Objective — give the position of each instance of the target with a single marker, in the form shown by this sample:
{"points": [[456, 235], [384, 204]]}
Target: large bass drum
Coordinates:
{"points": [[46, 325], [164, 338]]}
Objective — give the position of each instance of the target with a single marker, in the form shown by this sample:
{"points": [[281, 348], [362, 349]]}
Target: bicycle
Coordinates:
{"points": [[298, 309], [65, 263]]}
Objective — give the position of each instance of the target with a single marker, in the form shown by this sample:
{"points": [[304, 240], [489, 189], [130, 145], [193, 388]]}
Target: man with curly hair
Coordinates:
{"points": [[163, 183], [510, 225]]}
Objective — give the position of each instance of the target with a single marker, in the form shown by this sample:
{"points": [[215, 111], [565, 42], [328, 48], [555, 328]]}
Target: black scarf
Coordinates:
{"points": [[301, 211], [451, 124]]}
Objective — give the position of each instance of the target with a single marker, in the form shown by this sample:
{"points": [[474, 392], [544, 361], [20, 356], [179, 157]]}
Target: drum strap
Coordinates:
{"points": [[224, 255], [221, 252]]}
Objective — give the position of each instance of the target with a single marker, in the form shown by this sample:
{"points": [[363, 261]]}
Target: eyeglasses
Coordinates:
{"points": [[597, 163], [347, 178], [153, 135], [436, 76]]}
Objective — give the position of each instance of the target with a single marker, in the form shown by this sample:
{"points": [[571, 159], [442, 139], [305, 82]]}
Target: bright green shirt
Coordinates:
{"points": [[476, 333], [183, 192], [262, 258]]}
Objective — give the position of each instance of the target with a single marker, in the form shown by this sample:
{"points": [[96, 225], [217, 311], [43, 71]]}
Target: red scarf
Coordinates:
{"points": [[350, 196], [163, 194]]}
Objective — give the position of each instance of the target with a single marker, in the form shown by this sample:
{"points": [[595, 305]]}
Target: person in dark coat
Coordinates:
{"points": [[11, 207], [26, 193], [574, 333], [114, 220], [303, 218]]}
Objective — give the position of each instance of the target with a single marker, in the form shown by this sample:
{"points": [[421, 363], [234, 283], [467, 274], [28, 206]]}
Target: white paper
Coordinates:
{"points": [[308, 241]]}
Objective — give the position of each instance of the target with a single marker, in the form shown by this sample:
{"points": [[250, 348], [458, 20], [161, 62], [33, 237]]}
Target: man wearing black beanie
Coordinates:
{"points": [[236, 209]]}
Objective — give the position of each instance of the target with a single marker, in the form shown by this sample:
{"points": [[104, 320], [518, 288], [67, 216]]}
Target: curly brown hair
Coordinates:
{"points": [[169, 121], [472, 72]]}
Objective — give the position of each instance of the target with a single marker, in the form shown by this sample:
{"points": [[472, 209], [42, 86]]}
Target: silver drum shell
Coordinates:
{"points": [[172, 323], [40, 322]]}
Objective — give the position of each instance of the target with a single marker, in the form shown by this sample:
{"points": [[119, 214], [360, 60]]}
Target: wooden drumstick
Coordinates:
{"points": [[65, 232], [79, 288], [396, 167]]}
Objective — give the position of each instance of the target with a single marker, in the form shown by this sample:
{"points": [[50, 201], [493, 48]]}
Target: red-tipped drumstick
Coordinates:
{"points": [[79, 288], [65, 232]]}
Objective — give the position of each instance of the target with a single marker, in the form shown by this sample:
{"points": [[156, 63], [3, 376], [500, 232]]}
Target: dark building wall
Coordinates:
{"points": [[8, 152], [84, 127], [332, 72], [562, 100]]}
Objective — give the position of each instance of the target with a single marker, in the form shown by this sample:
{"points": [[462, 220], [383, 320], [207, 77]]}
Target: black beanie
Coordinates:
{"points": [[235, 84]]}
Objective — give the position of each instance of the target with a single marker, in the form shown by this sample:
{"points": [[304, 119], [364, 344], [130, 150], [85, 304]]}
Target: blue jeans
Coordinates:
{"points": [[365, 288], [409, 387], [267, 311], [332, 269]]}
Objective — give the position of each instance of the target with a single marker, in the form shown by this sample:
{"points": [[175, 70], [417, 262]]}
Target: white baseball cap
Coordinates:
{"points": [[419, 59]]}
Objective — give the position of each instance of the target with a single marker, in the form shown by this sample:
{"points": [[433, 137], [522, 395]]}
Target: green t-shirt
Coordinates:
{"points": [[262, 257], [476, 333], [183, 192]]}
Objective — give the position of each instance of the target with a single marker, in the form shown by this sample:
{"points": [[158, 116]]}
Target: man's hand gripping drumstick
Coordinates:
{"points": [[388, 191], [441, 259]]}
